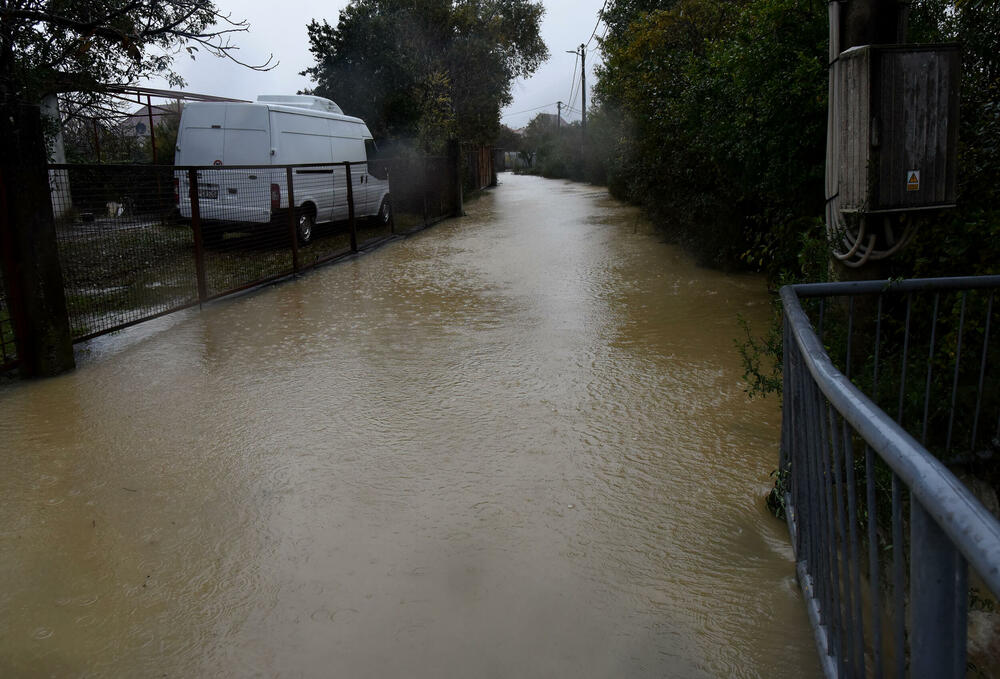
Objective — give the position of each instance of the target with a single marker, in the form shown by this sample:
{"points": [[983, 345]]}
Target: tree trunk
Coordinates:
{"points": [[32, 275]]}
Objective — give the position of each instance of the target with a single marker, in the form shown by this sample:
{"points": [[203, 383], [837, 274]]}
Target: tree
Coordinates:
{"points": [[75, 48], [52, 46], [965, 240], [427, 69], [721, 107], [508, 140]]}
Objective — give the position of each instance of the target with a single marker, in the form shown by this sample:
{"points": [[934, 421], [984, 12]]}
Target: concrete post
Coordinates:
{"points": [[62, 200]]}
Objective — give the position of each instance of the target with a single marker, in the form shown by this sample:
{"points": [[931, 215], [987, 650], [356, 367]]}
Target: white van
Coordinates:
{"points": [[278, 130]]}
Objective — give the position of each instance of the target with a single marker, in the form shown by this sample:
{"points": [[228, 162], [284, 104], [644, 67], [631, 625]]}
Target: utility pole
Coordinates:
{"points": [[558, 115], [583, 90], [872, 22], [854, 23]]}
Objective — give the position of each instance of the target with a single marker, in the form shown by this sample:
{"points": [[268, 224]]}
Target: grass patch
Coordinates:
{"points": [[118, 271]]}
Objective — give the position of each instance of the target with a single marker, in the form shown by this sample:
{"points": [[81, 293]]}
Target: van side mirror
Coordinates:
{"points": [[378, 170]]}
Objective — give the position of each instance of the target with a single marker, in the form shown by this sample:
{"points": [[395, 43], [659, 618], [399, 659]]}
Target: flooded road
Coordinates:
{"points": [[515, 445]]}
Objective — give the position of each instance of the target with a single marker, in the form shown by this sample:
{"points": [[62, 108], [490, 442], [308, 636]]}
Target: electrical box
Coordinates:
{"points": [[898, 136]]}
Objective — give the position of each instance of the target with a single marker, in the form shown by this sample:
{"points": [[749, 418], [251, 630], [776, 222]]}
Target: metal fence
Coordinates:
{"points": [[480, 170], [884, 533], [139, 241]]}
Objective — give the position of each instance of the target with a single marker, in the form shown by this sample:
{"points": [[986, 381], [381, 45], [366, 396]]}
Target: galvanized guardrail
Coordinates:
{"points": [[883, 603]]}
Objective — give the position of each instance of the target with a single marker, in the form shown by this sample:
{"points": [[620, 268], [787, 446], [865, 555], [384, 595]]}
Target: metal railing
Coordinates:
{"points": [[140, 241], [884, 533]]}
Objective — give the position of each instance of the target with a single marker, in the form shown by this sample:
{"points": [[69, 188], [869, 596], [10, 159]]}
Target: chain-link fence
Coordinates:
{"points": [[423, 190], [136, 242], [126, 254]]}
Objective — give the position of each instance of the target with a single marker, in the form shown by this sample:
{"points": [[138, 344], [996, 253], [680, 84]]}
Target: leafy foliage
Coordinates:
{"points": [[560, 150], [49, 46], [720, 110], [965, 240], [722, 118], [429, 69]]}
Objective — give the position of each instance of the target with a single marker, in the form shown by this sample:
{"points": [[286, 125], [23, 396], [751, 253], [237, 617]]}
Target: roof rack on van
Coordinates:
{"points": [[301, 101]]}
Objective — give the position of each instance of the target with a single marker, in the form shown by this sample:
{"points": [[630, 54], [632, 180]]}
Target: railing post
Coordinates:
{"points": [[199, 243], [938, 600], [350, 209], [292, 220]]}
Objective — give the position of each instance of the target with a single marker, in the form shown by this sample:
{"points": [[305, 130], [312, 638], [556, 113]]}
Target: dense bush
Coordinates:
{"points": [[722, 115], [965, 240], [712, 115]]}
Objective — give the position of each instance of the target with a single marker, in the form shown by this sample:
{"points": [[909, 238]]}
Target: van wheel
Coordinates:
{"points": [[304, 226], [384, 217]]}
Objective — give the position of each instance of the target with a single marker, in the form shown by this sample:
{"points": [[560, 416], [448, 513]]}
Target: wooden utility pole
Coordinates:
{"points": [[583, 90], [558, 114], [873, 22], [854, 23]]}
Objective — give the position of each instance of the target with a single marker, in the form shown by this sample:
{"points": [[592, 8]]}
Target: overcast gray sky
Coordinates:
{"points": [[566, 24]]}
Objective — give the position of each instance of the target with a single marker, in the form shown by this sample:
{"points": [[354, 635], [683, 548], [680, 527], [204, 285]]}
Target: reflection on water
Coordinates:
{"points": [[515, 445]]}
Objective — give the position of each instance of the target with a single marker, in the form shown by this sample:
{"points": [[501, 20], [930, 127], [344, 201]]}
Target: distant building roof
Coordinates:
{"points": [[137, 122]]}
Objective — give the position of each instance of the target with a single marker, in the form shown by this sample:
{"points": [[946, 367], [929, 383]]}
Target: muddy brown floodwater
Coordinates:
{"points": [[515, 445]]}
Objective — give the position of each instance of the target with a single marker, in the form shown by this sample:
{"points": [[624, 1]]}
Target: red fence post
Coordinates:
{"points": [[199, 247], [455, 173], [350, 210], [292, 221]]}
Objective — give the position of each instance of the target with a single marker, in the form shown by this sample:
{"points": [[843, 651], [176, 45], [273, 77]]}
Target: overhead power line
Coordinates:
{"points": [[600, 15], [529, 110], [572, 83]]}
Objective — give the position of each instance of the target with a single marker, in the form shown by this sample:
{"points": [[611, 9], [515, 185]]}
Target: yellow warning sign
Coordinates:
{"points": [[913, 180]]}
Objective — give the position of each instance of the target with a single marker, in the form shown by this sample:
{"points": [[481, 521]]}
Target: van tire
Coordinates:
{"points": [[384, 216], [305, 224]]}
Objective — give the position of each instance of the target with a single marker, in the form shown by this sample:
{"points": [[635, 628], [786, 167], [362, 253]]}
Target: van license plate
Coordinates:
{"points": [[210, 191]]}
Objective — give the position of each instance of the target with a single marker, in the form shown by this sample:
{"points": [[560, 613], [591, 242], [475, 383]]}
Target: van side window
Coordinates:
{"points": [[376, 167]]}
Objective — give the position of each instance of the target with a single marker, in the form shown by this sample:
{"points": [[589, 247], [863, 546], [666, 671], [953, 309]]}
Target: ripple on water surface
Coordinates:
{"points": [[515, 445]]}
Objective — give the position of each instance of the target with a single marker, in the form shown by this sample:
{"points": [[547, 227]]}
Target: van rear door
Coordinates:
{"points": [[200, 141], [221, 135], [247, 140], [245, 194], [201, 138]]}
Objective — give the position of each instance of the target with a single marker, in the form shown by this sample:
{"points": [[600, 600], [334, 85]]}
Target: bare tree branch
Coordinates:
{"points": [[53, 50]]}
